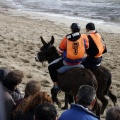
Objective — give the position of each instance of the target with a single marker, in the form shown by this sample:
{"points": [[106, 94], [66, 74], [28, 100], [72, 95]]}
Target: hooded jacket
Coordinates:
{"points": [[96, 45], [73, 47]]}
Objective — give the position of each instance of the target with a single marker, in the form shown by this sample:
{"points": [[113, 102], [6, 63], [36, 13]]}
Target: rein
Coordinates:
{"points": [[57, 26]]}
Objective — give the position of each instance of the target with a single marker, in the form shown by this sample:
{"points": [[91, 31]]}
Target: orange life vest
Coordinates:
{"points": [[75, 49], [99, 43]]}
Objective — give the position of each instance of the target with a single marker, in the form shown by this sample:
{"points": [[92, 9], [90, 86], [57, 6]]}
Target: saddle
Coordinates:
{"points": [[67, 67]]}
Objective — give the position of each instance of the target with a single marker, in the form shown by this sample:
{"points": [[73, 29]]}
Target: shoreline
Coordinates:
{"points": [[34, 10], [67, 20]]}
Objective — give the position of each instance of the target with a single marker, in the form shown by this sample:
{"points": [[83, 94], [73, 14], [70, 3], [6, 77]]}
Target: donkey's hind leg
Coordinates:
{"points": [[112, 97], [103, 100]]}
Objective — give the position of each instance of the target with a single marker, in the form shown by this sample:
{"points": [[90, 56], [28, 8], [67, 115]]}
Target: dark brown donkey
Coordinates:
{"points": [[72, 79]]}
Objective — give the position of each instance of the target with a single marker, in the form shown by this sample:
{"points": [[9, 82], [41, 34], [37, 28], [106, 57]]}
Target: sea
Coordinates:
{"points": [[102, 11]]}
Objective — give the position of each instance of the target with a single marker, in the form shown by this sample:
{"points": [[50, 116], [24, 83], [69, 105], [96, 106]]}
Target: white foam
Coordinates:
{"points": [[100, 24]]}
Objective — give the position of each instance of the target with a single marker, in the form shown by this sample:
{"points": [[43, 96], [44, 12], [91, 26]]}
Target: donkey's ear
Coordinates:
{"points": [[42, 40], [52, 40]]}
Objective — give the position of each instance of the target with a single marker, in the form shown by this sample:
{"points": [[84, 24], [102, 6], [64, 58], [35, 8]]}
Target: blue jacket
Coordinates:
{"points": [[76, 112]]}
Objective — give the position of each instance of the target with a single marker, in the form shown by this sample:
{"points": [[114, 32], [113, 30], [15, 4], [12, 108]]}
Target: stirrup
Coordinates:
{"points": [[57, 88]]}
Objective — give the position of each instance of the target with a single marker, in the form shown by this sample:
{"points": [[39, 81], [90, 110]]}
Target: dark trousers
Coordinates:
{"points": [[53, 69], [91, 62]]}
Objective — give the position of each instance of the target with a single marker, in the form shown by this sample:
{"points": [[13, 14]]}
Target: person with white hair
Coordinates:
{"points": [[82, 110]]}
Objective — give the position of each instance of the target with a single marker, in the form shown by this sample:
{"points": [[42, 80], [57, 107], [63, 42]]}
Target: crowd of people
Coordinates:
{"points": [[38, 105], [15, 106]]}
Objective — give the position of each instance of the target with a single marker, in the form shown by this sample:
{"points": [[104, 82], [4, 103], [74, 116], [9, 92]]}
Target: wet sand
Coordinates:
{"points": [[20, 41]]}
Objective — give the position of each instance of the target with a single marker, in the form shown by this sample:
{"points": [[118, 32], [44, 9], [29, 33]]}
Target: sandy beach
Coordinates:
{"points": [[20, 41]]}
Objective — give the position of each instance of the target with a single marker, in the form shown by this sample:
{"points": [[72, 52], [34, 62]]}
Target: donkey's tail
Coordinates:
{"points": [[108, 91]]}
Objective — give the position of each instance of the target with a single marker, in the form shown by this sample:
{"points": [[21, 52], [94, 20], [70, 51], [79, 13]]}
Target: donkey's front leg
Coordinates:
{"points": [[54, 97]]}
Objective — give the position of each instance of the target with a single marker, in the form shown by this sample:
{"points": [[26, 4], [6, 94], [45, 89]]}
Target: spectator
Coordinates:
{"points": [[3, 74], [45, 111], [9, 96], [113, 113], [10, 83], [82, 110], [27, 112], [31, 88]]}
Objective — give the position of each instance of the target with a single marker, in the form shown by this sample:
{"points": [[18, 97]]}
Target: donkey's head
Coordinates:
{"points": [[47, 52]]}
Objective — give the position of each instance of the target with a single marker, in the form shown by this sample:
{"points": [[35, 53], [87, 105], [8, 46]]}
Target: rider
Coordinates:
{"points": [[96, 48], [72, 48]]}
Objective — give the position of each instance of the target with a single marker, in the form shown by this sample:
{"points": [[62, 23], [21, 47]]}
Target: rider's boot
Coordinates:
{"points": [[56, 87]]}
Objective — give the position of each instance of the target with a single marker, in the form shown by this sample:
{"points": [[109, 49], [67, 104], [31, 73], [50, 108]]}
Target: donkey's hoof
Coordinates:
{"points": [[64, 108], [59, 104]]}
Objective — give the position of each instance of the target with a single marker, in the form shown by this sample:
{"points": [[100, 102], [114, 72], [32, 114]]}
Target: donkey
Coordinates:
{"points": [[48, 52]]}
